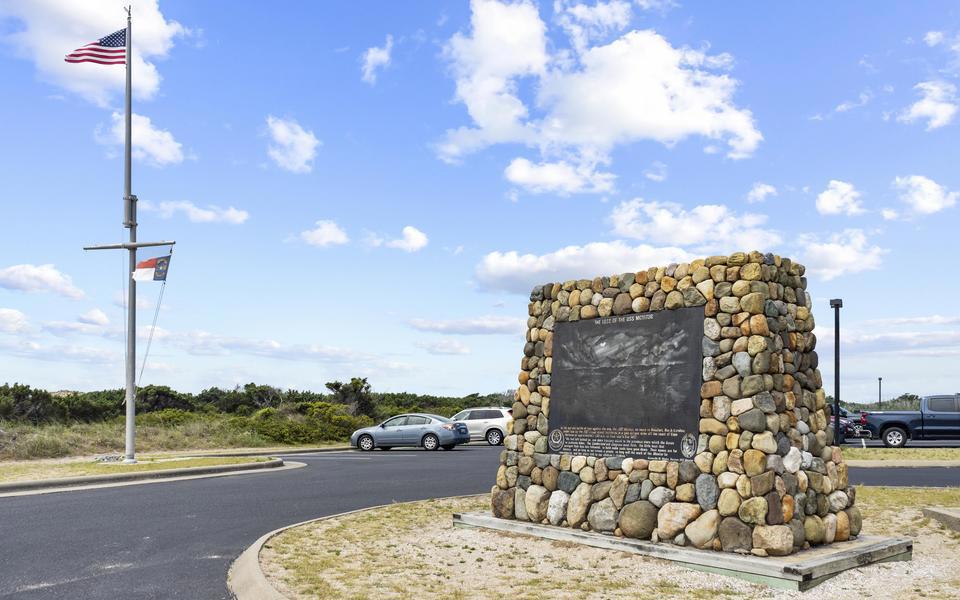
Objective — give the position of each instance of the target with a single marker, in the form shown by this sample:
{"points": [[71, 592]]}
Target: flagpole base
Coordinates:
{"points": [[129, 461]]}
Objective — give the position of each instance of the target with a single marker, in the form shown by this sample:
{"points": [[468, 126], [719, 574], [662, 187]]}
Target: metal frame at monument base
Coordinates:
{"points": [[799, 571]]}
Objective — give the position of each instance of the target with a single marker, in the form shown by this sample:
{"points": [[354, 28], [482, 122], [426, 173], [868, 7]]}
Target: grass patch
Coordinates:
{"points": [[411, 551], [901, 453], [207, 432], [30, 471]]}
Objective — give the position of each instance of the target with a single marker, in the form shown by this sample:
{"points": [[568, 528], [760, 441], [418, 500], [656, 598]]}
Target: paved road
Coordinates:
{"points": [[177, 539], [910, 444]]}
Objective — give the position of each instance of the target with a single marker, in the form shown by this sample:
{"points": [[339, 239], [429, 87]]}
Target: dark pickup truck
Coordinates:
{"points": [[937, 419]]}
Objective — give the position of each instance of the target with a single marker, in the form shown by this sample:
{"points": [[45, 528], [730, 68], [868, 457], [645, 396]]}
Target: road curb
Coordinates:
{"points": [[247, 581], [275, 452], [66, 482]]}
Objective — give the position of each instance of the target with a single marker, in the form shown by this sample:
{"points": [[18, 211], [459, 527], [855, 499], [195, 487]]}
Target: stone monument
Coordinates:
{"points": [[681, 404]]}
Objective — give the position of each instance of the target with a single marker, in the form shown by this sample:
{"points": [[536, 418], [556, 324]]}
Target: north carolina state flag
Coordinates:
{"points": [[154, 269]]}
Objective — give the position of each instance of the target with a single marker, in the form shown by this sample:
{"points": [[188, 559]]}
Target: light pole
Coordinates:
{"points": [[879, 393], [836, 304]]}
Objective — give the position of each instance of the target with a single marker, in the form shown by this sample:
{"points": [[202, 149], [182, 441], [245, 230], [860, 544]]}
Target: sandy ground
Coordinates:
{"points": [[411, 551]]}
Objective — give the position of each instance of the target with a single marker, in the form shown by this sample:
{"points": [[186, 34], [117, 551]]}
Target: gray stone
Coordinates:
{"points": [[735, 535], [614, 463], [600, 490], [764, 401], [568, 481], [753, 420], [523, 481], [633, 493], [689, 471], [742, 363], [661, 496], [645, 488], [603, 516], [520, 504], [838, 501], [707, 491], [557, 508]]}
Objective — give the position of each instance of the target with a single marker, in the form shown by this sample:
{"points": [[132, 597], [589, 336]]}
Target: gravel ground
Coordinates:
{"points": [[410, 551]]}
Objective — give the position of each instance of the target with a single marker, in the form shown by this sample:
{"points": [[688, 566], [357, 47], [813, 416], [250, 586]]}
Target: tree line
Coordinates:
{"points": [[24, 404]]}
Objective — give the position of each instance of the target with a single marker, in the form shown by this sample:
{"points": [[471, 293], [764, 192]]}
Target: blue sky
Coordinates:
{"points": [[372, 188]]}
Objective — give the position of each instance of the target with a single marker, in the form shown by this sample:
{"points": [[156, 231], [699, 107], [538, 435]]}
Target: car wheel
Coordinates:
{"points": [[894, 437], [365, 443], [494, 437], [430, 442], [448, 446]]}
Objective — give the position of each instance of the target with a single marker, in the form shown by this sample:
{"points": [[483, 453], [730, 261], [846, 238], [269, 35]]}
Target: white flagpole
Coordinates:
{"points": [[130, 222]]}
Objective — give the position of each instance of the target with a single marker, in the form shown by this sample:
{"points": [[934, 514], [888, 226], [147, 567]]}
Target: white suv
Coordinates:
{"points": [[487, 423]]}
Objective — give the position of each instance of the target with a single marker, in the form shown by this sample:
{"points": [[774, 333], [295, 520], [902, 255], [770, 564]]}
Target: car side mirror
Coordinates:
{"points": [[383, 425]]}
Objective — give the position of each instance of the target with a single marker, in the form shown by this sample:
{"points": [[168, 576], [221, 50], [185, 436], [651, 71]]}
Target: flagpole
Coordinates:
{"points": [[130, 222]]}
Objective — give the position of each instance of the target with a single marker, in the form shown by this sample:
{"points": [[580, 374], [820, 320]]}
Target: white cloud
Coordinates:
{"points": [[444, 347], [62, 353], [39, 278], [839, 197], [94, 316], [515, 272], [413, 240], [376, 58], [705, 227], [585, 23], [210, 214], [326, 233], [293, 148], [52, 29], [488, 324], [840, 254], [154, 146], [921, 320], [638, 87], [558, 177], [507, 41], [657, 172], [12, 321], [861, 100], [889, 214], [934, 38], [760, 191], [924, 196], [937, 105], [660, 6]]}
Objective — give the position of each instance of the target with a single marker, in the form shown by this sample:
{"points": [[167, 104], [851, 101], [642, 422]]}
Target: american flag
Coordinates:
{"points": [[109, 50]]}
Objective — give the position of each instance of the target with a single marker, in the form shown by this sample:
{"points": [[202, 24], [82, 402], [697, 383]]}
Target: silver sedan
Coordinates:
{"points": [[416, 429]]}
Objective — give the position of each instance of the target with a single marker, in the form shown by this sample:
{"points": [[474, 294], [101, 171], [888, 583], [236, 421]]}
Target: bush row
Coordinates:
{"points": [[265, 405]]}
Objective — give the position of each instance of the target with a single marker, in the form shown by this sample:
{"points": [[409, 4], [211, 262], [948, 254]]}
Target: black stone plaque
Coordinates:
{"points": [[628, 385]]}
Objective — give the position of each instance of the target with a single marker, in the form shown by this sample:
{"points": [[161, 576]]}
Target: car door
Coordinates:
{"points": [[488, 419], [941, 419], [414, 430], [391, 432], [474, 422]]}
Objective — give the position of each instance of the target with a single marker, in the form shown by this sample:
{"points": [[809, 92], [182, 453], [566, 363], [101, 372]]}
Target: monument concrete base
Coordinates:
{"points": [[799, 571], [949, 517]]}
